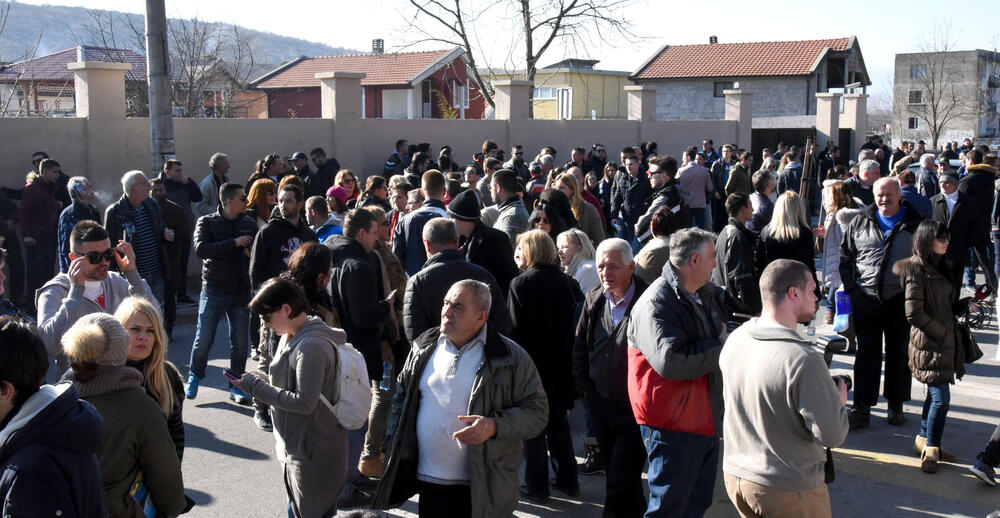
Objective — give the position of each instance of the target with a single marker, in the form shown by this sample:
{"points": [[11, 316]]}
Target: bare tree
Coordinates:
{"points": [[234, 73], [18, 83], [943, 97], [113, 31], [195, 48]]}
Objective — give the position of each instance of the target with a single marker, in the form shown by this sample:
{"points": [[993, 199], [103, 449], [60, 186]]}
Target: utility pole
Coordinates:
{"points": [[161, 123]]}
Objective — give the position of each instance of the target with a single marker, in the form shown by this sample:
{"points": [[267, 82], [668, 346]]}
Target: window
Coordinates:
{"points": [[916, 97], [913, 123], [720, 87], [918, 71], [460, 95], [546, 93]]}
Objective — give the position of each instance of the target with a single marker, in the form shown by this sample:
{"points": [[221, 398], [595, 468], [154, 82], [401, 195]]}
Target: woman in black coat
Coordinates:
{"points": [[542, 305], [787, 236]]}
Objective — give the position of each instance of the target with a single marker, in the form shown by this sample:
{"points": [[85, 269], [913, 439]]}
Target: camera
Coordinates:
{"points": [[848, 382]]}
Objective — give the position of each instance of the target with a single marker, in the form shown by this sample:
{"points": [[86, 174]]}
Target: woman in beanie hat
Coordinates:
{"points": [[135, 433], [147, 353]]}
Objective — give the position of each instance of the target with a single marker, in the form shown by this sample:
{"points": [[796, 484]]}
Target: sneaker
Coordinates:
{"points": [[191, 389], [262, 419], [828, 319], [238, 396], [356, 498], [859, 417], [532, 497], [984, 472], [254, 355], [592, 464], [896, 416]]}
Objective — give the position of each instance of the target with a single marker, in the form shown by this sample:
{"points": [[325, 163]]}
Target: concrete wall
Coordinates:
{"points": [[961, 72], [693, 99]]}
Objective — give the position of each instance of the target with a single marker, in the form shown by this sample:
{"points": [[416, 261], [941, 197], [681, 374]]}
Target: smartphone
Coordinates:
{"points": [[230, 374]]}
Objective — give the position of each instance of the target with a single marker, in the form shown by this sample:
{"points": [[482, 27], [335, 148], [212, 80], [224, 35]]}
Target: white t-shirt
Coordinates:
{"points": [[94, 291]]}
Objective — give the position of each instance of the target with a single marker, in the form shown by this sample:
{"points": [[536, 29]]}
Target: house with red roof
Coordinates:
{"points": [[783, 76], [401, 85]]}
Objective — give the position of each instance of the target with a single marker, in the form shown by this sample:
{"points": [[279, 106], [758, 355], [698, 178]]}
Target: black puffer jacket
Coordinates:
{"points": [[978, 183], [358, 297], [491, 249], [425, 293], [275, 243], [629, 198], [225, 267], [930, 309], [866, 257], [734, 269]]}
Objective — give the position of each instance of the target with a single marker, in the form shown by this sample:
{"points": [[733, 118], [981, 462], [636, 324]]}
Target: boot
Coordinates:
{"points": [[371, 465], [929, 459], [592, 463], [919, 443], [859, 417]]}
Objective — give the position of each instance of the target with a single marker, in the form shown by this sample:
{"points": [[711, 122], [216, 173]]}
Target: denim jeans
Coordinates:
{"points": [[700, 215], [355, 444], [934, 413], [682, 469], [157, 285], [212, 305]]}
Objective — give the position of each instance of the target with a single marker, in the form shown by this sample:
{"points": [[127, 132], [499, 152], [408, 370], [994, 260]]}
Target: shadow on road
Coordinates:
{"points": [[203, 438], [222, 405]]}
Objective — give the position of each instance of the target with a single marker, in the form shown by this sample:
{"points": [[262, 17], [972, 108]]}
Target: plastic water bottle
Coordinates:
{"points": [[386, 382], [843, 319]]}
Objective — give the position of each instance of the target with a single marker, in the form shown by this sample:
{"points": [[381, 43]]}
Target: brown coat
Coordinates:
{"points": [[929, 309]]}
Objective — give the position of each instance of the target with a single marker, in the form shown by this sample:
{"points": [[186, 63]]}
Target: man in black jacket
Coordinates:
{"points": [[667, 192], [50, 438], [977, 183], [600, 359], [326, 169], [447, 265], [137, 219], [957, 211], [273, 245], [482, 245], [734, 255], [873, 241], [300, 165], [628, 200], [183, 191], [222, 241]]}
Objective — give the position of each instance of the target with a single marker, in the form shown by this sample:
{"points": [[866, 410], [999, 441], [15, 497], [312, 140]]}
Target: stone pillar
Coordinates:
{"points": [[100, 89], [340, 95], [641, 102], [512, 99], [827, 119], [739, 108], [856, 118]]}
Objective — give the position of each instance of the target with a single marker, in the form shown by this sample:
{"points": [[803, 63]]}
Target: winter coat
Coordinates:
{"points": [[836, 224], [770, 249], [308, 439], [866, 256], [629, 197], [359, 298], [175, 421], [542, 304], [734, 269], [919, 201], [48, 457], [425, 292], [964, 227], [408, 241], [930, 309], [120, 215], [507, 388], [225, 267], [184, 194], [651, 258], [927, 182], [600, 358], [513, 218], [326, 175], [762, 212], [135, 440], [491, 249], [274, 245], [70, 216], [333, 226], [699, 183], [308, 178], [739, 180], [672, 195], [978, 184], [671, 346], [39, 212], [209, 188], [866, 195]]}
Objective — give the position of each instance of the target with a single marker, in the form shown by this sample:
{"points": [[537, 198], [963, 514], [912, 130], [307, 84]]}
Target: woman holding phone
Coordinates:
{"points": [[310, 442]]}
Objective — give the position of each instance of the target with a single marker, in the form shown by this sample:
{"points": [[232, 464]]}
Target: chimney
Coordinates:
{"points": [[378, 46], [713, 39]]}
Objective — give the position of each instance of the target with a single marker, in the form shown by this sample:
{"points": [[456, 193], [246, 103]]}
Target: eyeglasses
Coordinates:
{"points": [[519, 153], [96, 257], [349, 180]]}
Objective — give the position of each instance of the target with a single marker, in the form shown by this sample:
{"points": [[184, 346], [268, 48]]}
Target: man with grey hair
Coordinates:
{"points": [[445, 266], [874, 241], [927, 180], [675, 336], [218, 166], [81, 192], [468, 397], [861, 185], [600, 356], [138, 220]]}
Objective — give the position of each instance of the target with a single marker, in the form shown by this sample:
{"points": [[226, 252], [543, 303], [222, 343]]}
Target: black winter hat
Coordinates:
{"points": [[465, 206]]}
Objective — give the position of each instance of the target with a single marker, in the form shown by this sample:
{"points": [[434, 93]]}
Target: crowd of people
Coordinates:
{"points": [[478, 305]]}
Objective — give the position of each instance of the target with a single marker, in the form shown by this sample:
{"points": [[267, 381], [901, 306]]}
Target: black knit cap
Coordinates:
{"points": [[465, 206]]}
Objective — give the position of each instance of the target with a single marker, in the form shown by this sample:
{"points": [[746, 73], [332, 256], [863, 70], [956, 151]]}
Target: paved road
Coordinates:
{"points": [[230, 470]]}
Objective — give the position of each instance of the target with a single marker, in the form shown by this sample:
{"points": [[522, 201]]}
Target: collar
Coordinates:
{"points": [[629, 293], [478, 340], [953, 196]]}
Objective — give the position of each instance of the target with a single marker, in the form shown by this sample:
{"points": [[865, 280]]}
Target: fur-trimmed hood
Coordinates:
{"points": [[982, 167], [914, 266], [845, 215]]}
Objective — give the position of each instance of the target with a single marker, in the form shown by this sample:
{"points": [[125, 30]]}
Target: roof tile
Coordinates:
{"points": [[389, 69], [52, 67], [765, 58]]}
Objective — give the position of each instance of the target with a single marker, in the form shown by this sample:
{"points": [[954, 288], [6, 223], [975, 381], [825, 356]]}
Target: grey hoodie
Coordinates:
{"points": [[782, 408]]}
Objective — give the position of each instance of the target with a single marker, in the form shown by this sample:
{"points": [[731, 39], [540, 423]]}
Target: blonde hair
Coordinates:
{"points": [[789, 217], [569, 180], [539, 248], [581, 239], [154, 367]]}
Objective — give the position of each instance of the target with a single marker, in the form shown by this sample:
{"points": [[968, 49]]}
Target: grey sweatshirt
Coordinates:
{"points": [[782, 408]]}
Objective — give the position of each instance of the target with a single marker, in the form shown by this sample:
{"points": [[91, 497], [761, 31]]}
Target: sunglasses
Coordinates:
{"points": [[97, 257], [349, 180]]}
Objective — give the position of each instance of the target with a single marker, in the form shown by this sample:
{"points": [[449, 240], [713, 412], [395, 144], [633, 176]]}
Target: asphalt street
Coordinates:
{"points": [[230, 469]]}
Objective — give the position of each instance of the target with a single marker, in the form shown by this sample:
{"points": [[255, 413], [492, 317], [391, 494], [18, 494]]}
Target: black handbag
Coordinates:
{"points": [[966, 343]]}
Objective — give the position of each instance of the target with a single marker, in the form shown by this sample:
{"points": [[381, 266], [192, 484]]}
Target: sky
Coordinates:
{"points": [[883, 29]]}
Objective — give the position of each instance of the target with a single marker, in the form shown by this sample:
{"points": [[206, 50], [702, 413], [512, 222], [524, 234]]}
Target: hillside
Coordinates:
{"points": [[64, 27]]}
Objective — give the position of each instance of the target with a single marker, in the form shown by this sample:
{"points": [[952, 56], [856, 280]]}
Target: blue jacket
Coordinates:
{"points": [[75, 213], [919, 202], [408, 242], [48, 456]]}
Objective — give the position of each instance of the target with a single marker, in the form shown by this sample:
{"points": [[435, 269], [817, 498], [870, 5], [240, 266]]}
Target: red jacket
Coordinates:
{"points": [[40, 212]]}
